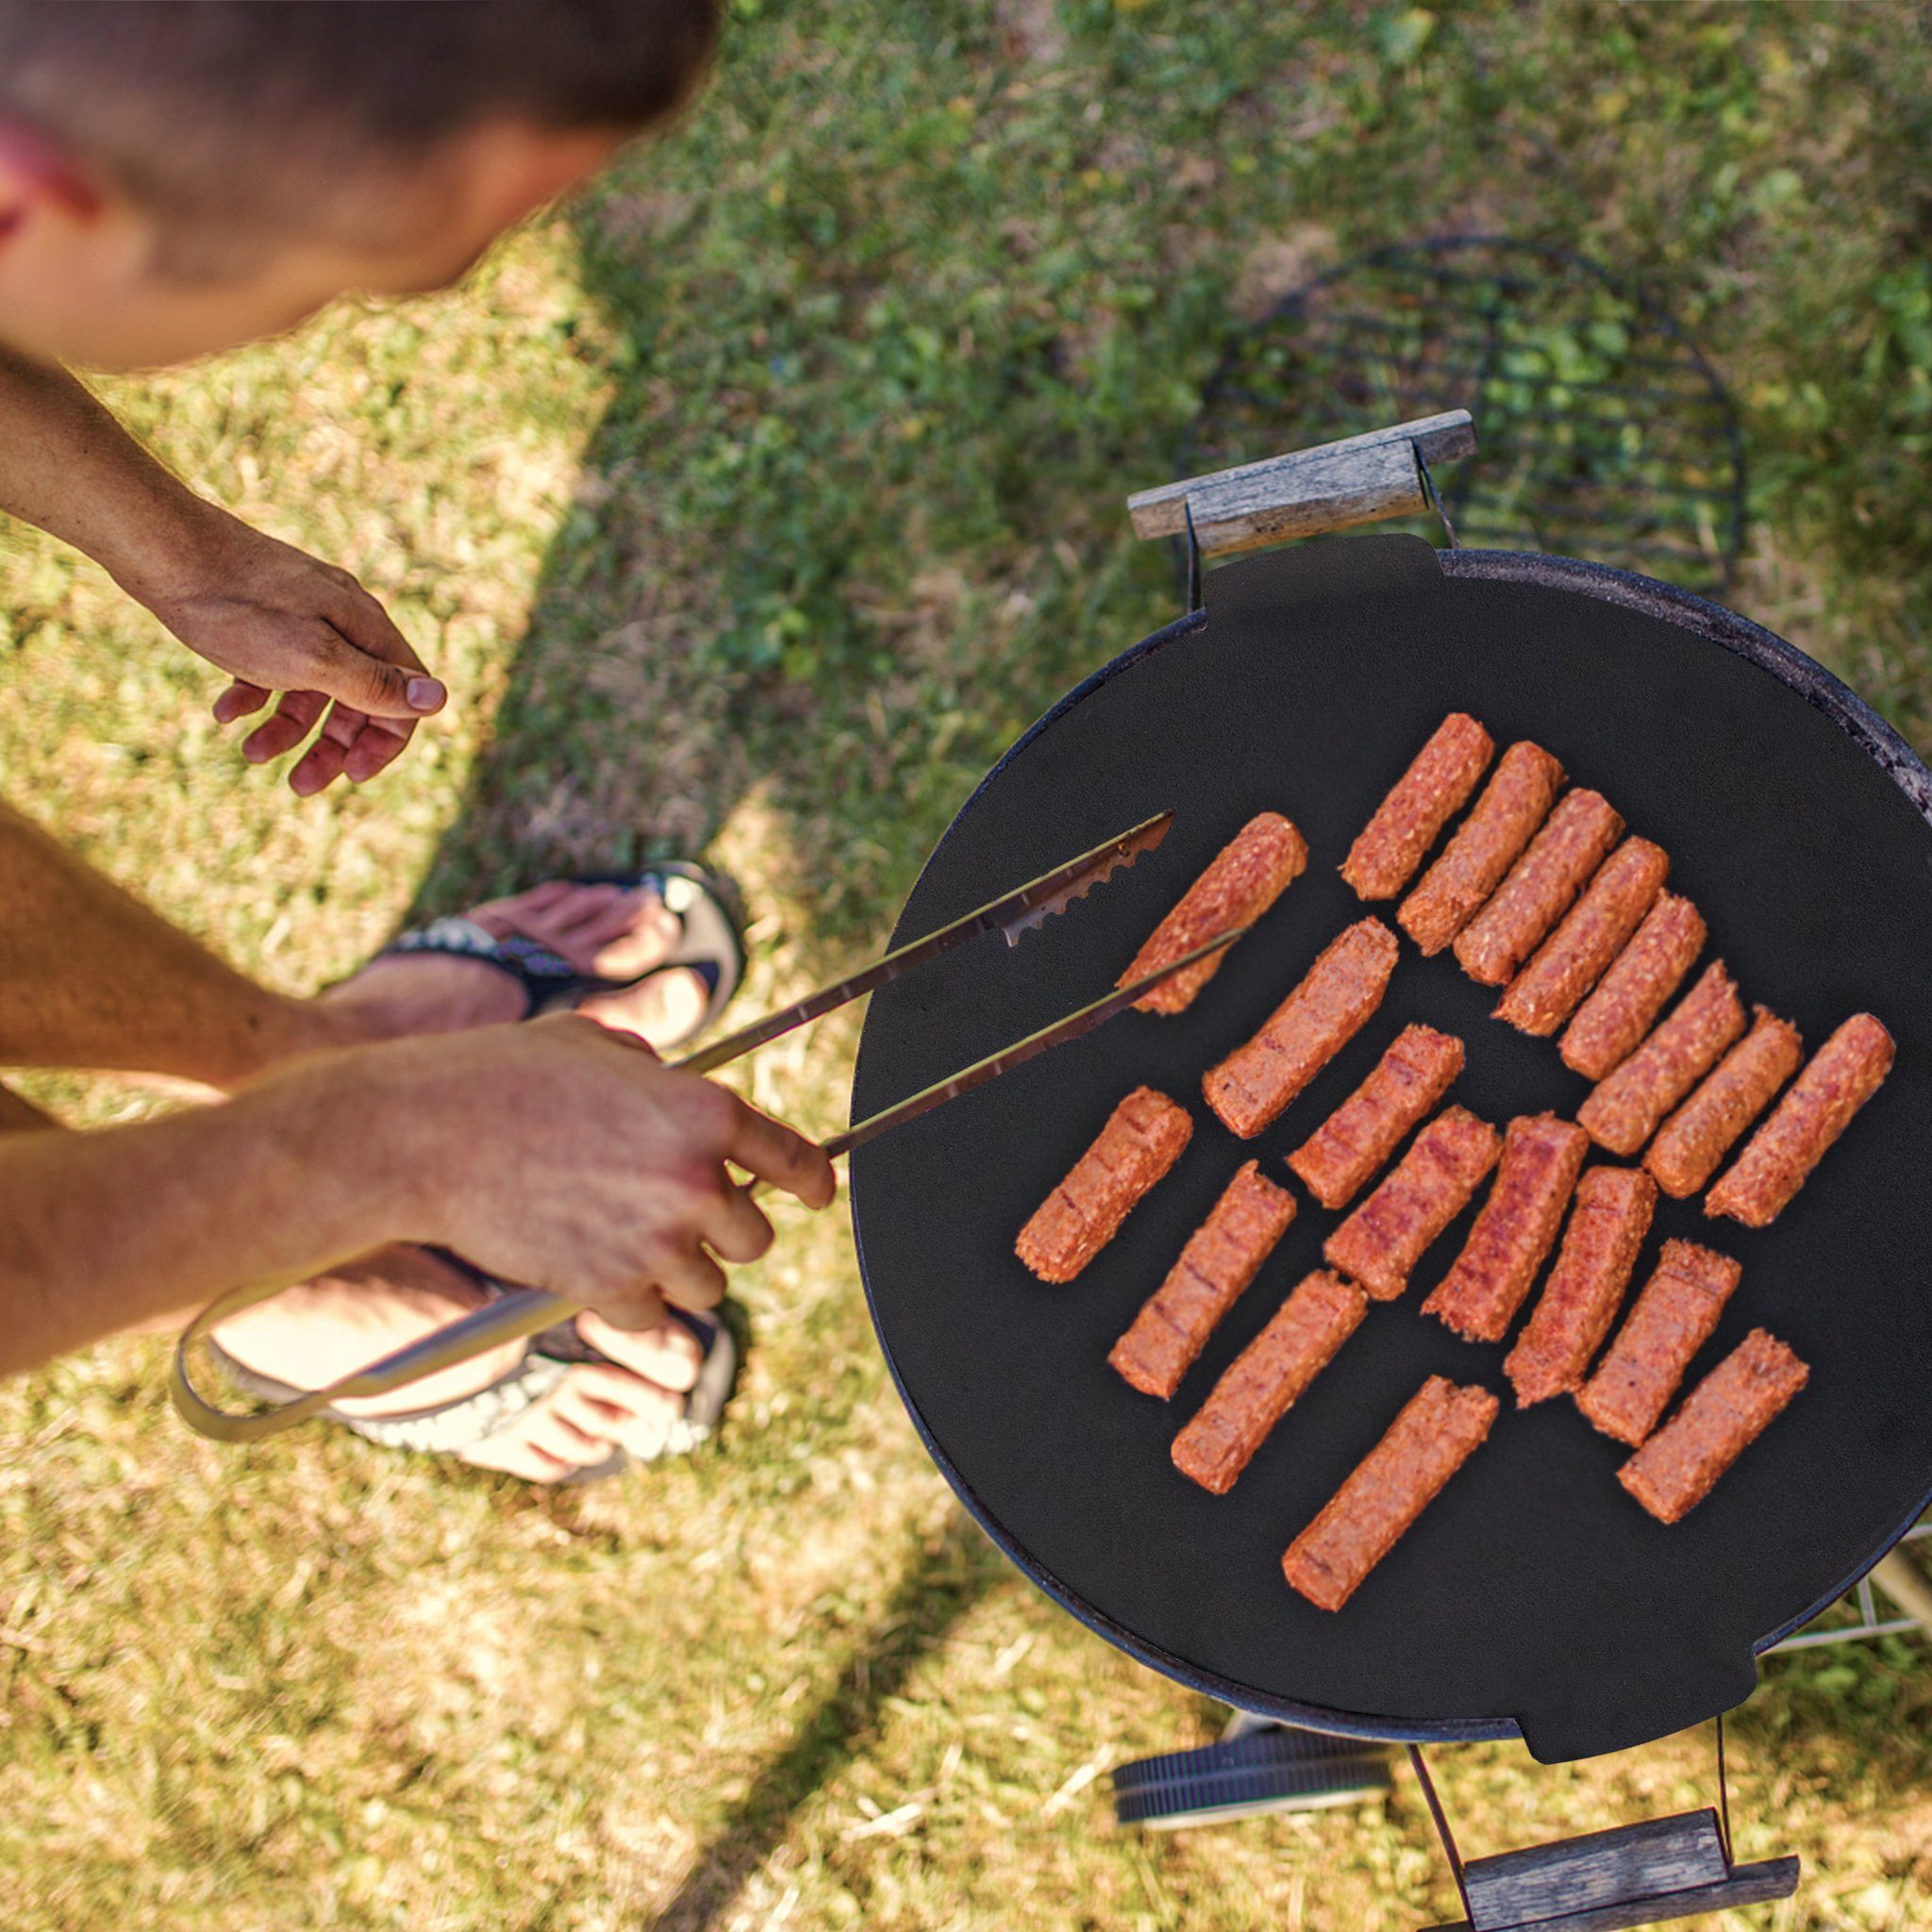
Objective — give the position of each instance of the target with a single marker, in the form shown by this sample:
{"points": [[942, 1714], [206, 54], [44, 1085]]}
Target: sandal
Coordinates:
{"points": [[711, 944], [453, 1428]]}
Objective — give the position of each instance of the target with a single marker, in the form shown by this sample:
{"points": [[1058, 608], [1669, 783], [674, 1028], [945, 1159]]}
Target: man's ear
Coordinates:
{"points": [[34, 173]]}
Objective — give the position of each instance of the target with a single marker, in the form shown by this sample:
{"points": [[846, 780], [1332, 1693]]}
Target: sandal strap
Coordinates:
{"points": [[541, 973]]}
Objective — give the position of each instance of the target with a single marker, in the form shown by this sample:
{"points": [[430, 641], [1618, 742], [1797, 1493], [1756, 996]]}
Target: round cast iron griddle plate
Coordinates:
{"points": [[1533, 1592]]}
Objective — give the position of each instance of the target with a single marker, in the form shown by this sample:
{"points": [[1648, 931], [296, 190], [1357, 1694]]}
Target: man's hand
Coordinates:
{"points": [[278, 620], [559, 1155], [274, 619], [553, 1152]]}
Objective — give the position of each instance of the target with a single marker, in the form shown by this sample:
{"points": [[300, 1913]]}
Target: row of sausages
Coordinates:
{"points": [[1537, 1164], [1537, 896]]}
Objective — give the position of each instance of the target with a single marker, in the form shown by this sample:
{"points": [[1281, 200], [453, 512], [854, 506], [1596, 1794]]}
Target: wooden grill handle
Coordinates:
{"points": [[1362, 479]]}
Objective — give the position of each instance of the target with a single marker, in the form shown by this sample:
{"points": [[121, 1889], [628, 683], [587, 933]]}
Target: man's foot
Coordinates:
{"points": [[599, 929], [310, 1335]]}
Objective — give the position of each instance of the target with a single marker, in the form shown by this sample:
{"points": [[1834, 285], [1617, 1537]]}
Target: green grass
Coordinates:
{"points": [[755, 504]]}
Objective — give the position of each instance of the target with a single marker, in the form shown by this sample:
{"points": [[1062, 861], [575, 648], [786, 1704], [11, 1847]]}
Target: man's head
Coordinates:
{"points": [[175, 180]]}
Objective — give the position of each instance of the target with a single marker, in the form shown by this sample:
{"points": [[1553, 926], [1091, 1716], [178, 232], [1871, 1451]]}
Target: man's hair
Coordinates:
{"points": [[243, 115]]}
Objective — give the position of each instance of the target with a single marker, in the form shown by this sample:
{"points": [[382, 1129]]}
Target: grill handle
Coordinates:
{"points": [[1362, 479]]}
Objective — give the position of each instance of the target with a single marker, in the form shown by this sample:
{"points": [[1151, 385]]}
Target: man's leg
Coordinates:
{"points": [[91, 978]]}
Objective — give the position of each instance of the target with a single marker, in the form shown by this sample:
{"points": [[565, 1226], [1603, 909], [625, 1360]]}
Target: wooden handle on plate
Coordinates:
{"points": [[1362, 479]]}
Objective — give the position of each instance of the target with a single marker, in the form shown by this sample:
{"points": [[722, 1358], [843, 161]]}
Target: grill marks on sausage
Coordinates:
{"points": [[1515, 1230], [1592, 935], [1143, 1138], [1842, 1075], [1696, 1138], [1540, 888], [1438, 1428], [1334, 1000], [1383, 1239], [1382, 860], [1489, 842], [1672, 1320], [1721, 1417], [1607, 1223], [1614, 1020], [1622, 1112], [1220, 1260], [1360, 1135], [1243, 881], [1267, 1378]]}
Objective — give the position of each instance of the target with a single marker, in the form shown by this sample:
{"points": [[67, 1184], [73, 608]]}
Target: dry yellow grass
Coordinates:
{"points": [[756, 506]]}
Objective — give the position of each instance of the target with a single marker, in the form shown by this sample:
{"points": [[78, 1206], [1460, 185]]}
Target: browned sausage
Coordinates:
{"points": [[1721, 1417], [1383, 1239], [1266, 1378], [1143, 1137], [1306, 1031], [1516, 1228], [1614, 1020], [1593, 932], [1243, 881], [1438, 1428], [1540, 888], [1220, 1260], [1434, 787], [1586, 1286], [1622, 1112], [1370, 1125], [1844, 1075], [1672, 1321], [1690, 1143], [1487, 843]]}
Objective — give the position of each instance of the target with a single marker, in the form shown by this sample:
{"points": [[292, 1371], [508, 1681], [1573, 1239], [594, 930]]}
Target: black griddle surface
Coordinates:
{"points": [[1533, 1593]]}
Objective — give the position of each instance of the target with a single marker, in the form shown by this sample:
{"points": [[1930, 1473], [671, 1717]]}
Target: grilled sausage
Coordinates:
{"points": [[1593, 932], [1614, 1020], [1487, 843], [1242, 881], [1309, 1028], [1844, 1075], [1622, 1112], [1434, 787], [1690, 1143], [1370, 1123], [1608, 1225], [1721, 1417], [1672, 1321], [1438, 1428], [1267, 1378], [1515, 1229], [1540, 888], [1383, 1239], [1143, 1137], [1220, 1260]]}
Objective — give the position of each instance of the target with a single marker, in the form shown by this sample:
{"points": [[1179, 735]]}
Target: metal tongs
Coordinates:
{"points": [[525, 1311]]}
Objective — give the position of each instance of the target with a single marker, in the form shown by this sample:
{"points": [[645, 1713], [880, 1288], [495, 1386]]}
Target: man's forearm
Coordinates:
{"points": [[100, 1231], [69, 468]]}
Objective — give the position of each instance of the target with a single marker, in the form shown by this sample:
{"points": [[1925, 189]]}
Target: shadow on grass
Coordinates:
{"points": [[941, 1584]]}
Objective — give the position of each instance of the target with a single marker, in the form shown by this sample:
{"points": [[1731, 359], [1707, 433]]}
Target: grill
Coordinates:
{"points": [[1533, 1600]]}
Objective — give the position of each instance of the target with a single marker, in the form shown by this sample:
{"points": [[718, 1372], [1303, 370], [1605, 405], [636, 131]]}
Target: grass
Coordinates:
{"points": [[756, 503]]}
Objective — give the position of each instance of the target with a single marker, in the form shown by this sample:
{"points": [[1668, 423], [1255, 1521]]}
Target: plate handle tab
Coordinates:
{"points": [[1361, 479]]}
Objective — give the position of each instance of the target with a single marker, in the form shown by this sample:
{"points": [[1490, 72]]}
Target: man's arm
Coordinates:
{"points": [[273, 617], [550, 1153]]}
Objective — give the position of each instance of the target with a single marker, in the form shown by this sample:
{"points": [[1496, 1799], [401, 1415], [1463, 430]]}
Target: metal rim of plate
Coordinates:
{"points": [[1605, 429], [1685, 611]]}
